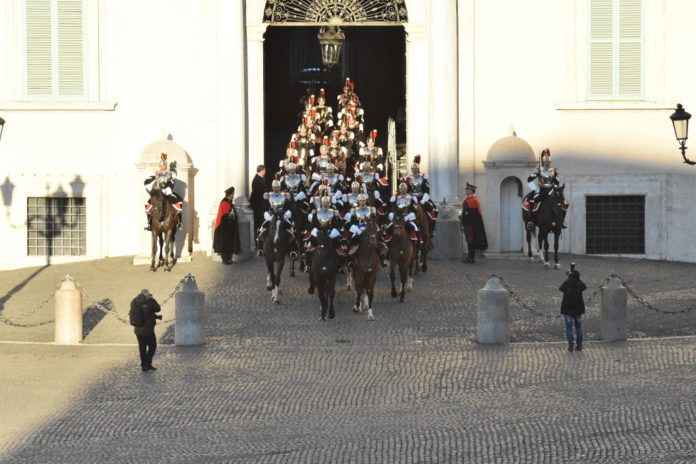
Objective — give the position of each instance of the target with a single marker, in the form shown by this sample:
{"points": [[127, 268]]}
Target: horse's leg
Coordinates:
{"points": [[403, 273], [412, 266], [322, 298], [540, 239], [424, 257], [169, 250], [546, 250], [350, 281], [153, 268], [331, 293], [529, 245], [292, 267], [371, 295], [392, 277], [417, 258], [160, 239], [270, 278], [279, 271], [556, 237]]}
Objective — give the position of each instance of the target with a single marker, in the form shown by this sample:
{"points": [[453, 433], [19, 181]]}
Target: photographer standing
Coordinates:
{"points": [[142, 315], [573, 307]]}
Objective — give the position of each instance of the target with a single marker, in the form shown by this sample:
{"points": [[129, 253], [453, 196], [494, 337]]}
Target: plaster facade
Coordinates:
{"points": [[192, 71]]}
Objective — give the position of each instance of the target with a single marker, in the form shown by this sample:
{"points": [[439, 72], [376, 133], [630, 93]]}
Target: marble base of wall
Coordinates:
{"points": [[448, 242]]}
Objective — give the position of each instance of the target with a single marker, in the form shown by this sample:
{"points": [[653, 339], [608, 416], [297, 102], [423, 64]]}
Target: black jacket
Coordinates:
{"points": [[258, 188], [150, 307], [573, 303]]}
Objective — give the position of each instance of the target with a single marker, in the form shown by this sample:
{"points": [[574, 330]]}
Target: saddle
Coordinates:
{"points": [[527, 203]]}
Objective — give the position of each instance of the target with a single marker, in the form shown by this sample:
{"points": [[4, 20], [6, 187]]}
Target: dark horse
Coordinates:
{"points": [[367, 267], [402, 254], [324, 269], [299, 218], [163, 215], [275, 247], [549, 219]]}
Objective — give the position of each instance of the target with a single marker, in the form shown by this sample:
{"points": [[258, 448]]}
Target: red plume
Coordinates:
{"points": [[352, 87], [333, 159], [277, 177], [358, 179], [407, 180], [311, 99], [321, 92], [374, 134], [164, 156], [326, 140], [306, 120], [326, 181], [336, 132], [295, 159], [292, 144], [417, 159], [314, 113], [348, 81], [368, 157], [349, 118], [355, 97]]}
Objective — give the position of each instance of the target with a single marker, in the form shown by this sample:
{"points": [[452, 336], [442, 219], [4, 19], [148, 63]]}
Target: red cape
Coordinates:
{"points": [[225, 207]]}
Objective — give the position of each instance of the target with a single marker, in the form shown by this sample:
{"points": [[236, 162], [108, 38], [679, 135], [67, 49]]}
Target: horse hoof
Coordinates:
{"points": [[424, 268], [153, 269], [531, 260], [547, 265], [393, 294], [332, 315], [557, 266], [269, 288], [370, 316], [310, 290], [356, 309]]}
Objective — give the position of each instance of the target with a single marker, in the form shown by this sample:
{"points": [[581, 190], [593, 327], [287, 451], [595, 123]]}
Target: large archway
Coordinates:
{"points": [[374, 59]]}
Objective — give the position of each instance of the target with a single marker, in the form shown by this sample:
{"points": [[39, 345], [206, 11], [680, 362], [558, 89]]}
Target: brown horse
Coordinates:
{"points": [[424, 226], [163, 220], [275, 247], [401, 254], [367, 267]]}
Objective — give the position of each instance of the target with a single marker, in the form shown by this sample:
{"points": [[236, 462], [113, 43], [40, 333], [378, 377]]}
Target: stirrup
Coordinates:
{"points": [[180, 226], [259, 252]]}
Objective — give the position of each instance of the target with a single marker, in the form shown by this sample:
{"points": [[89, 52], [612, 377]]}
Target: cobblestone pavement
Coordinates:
{"points": [[274, 384]]}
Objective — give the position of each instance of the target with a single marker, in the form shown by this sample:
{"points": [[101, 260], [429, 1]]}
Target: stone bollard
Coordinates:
{"points": [[189, 301], [68, 313], [493, 311], [613, 323]]}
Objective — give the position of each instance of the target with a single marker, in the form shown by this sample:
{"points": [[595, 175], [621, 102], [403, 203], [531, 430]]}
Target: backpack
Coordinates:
{"points": [[136, 315]]}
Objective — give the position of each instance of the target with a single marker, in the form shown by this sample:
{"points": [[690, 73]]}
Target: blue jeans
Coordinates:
{"points": [[569, 328]]}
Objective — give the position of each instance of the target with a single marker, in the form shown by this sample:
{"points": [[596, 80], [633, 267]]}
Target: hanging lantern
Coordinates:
{"points": [[331, 40]]}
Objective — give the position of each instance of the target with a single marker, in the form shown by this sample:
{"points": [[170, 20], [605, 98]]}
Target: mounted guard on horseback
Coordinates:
{"points": [[356, 221], [403, 204], [324, 219], [419, 187], [542, 182], [279, 207], [165, 176]]}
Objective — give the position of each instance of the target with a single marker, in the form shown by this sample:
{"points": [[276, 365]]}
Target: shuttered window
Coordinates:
{"points": [[55, 50], [616, 49]]}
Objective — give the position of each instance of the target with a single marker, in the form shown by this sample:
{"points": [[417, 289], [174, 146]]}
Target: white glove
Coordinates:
{"points": [[334, 233], [391, 216], [314, 232], [310, 216], [167, 191], [426, 197], [393, 199], [300, 196], [380, 167], [532, 185], [410, 217], [267, 216], [376, 194], [288, 214], [355, 229], [316, 176]]}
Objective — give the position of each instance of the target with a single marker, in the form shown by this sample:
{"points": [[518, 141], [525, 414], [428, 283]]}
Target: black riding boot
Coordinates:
{"points": [[179, 222], [563, 226], [149, 223]]}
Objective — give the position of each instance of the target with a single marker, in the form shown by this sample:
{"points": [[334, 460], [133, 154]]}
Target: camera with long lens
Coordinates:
{"points": [[572, 268]]}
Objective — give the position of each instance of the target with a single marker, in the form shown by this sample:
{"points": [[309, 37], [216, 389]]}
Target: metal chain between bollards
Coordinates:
{"points": [[14, 321], [518, 299], [647, 305]]}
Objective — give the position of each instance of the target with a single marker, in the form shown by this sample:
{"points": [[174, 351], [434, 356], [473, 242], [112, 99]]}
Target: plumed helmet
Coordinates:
{"points": [[325, 201], [366, 166], [355, 187], [403, 188], [291, 166], [546, 155], [362, 197], [330, 167], [415, 168], [275, 185], [311, 100]]}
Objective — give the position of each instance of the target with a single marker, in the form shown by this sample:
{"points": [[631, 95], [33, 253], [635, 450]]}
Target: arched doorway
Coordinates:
{"points": [[511, 230]]}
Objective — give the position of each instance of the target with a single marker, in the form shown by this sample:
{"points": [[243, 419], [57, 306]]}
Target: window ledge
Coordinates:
{"points": [[613, 105], [57, 106]]}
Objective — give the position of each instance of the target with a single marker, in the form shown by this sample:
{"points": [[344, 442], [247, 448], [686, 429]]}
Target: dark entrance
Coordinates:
{"points": [[373, 57]]}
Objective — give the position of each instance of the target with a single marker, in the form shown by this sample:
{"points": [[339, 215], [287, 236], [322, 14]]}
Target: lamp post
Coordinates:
{"points": [[680, 121], [2, 126], [331, 40]]}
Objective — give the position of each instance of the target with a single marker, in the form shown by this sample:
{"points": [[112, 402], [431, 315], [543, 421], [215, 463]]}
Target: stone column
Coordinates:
{"points": [[416, 92], [613, 324], [444, 91], [255, 103], [68, 313], [190, 306]]}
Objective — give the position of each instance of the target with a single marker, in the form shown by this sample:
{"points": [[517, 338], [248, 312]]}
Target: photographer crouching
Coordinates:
{"points": [[142, 317]]}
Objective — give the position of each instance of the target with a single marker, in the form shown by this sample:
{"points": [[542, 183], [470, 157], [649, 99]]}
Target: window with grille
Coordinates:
{"points": [[615, 224], [56, 226], [616, 50], [55, 47]]}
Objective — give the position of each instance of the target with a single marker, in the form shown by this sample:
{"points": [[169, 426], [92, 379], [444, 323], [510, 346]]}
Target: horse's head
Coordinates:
{"points": [[372, 234]]}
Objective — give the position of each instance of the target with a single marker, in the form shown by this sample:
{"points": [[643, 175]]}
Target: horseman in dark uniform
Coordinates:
{"points": [[372, 185], [405, 204], [278, 203], [542, 182], [324, 112], [419, 187], [168, 174], [355, 223]]}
